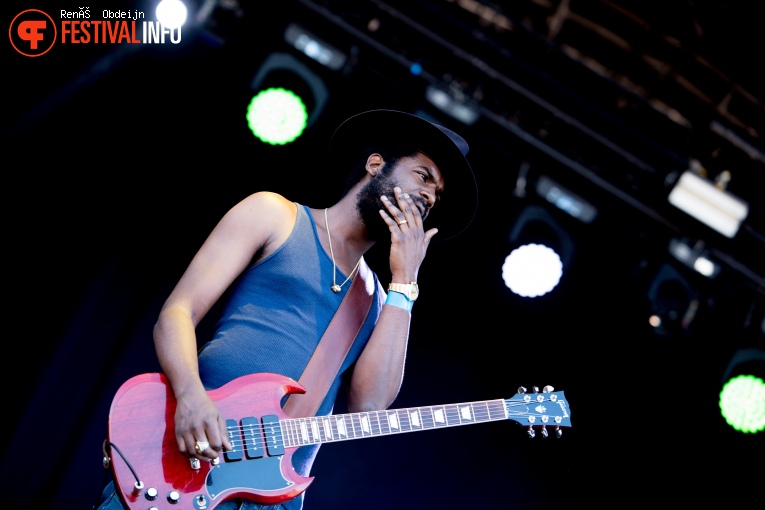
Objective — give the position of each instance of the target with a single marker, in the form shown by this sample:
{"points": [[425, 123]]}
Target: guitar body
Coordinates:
{"points": [[142, 428]]}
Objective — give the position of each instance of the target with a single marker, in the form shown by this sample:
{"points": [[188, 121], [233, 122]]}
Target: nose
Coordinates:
{"points": [[429, 198]]}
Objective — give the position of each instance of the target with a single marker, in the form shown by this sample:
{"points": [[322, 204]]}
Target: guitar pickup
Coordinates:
{"points": [[234, 438], [272, 431], [253, 439]]}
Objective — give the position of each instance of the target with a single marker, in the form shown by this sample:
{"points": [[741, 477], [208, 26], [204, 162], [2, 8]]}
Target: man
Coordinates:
{"points": [[285, 268]]}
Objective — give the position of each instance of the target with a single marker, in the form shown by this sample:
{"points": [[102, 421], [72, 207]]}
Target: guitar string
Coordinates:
{"points": [[481, 415]]}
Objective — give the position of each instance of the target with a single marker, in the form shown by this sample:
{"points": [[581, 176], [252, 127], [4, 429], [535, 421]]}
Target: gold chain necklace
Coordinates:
{"points": [[335, 287]]}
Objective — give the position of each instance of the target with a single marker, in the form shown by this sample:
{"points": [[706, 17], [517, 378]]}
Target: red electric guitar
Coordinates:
{"points": [[150, 472]]}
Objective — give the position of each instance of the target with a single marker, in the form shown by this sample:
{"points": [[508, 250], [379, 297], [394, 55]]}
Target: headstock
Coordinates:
{"points": [[538, 411]]}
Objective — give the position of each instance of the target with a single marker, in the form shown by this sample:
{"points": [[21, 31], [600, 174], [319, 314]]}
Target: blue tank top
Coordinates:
{"points": [[275, 316]]}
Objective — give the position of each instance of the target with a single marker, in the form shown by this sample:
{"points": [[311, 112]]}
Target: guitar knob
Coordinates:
{"points": [[531, 431], [558, 432], [535, 389], [544, 431], [151, 493], [548, 389], [521, 389], [174, 497]]}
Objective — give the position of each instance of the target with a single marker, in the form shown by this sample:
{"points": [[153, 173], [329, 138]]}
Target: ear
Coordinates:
{"points": [[375, 162]]}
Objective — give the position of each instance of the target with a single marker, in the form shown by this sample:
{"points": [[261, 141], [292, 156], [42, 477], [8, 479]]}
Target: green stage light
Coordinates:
{"points": [[742, 403], [277, 116]]}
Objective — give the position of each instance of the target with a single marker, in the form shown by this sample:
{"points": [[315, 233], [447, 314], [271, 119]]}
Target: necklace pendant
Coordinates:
{"points": [[335, 288]]}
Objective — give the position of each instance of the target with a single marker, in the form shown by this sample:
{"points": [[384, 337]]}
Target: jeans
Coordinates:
{"points": [[110, 500]]}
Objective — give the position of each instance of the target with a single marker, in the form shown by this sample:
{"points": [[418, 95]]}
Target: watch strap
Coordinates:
{"points": [[399, 300]]}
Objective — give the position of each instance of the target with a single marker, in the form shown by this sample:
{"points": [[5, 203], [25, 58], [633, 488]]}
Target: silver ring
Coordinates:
{"points": [[201, 446], [401, 222]]}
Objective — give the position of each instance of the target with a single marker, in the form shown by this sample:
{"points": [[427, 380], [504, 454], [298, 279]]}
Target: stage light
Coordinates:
{"points": [[532, 270], [742, 398], [673, 303], [541, 251], [314, 48], [276, 116], [565, 200], [451, 104], [288, 99], [707, 203], [171, 13], [696, 257]]}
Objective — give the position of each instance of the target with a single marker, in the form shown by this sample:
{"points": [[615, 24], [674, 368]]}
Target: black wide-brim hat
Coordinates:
{"points": [[457, 207]]}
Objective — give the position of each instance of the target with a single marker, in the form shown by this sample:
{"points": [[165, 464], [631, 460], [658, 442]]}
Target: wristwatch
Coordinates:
{"points": [[410, 290]]}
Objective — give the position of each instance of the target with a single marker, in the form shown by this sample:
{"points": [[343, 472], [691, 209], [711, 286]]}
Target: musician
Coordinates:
{"points": [[283, 269]]}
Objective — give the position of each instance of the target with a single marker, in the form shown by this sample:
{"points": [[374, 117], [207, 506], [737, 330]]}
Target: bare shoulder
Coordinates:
{"points": [[267, 203], [266, 216]]}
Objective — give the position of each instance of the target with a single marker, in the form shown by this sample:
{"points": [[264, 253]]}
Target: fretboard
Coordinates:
{"points": [[342, 427]]}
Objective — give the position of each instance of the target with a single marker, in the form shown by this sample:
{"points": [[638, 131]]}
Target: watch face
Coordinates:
{"points": [[414, 292]]}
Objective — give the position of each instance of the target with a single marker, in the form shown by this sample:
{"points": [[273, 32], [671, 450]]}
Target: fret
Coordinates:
{"points": [[342, 428], [327, 428], [320, 429], [414, 418], [315, 431], [356, 425], [303, 432], [376, 424], [403, 418], [427, 417], [391, 418], [382, 422], [439, 416], [365, 425], [466, 413], [500, 411]]}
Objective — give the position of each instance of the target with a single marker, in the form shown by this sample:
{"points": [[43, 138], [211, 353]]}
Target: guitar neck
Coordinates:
{"points": [[342, 427]]}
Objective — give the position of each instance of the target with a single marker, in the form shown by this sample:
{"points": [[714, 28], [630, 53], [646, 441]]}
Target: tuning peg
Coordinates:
{"points": [[531, 431], [558, 432], [521, 389], [535, 389], [544, 431], [548, 389]]}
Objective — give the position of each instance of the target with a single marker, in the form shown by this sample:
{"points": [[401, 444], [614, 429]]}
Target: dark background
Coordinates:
{"points": [[120, 159]]}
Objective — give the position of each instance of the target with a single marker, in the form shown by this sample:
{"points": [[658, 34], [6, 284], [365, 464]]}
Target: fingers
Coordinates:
{"points": [[204, 440], [404, 212]]}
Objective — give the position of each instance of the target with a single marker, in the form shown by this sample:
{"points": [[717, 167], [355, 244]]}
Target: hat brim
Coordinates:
{"points": [[457, 207]]}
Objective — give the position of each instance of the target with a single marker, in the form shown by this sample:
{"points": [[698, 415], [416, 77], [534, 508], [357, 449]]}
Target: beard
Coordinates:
{"points": [[368, 204]]}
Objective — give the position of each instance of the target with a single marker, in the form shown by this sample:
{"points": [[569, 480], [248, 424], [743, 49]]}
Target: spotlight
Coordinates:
{"points": [[742, 397], [171, 13], [451, 103], [696, 257], [542, 251], [565, 200], [673, 302], [289, 98], [709, 204], [314, 48]]}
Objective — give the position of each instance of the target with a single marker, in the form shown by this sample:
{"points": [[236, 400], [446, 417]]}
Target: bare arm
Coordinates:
{"points": [[379, 371], [257, 224]]}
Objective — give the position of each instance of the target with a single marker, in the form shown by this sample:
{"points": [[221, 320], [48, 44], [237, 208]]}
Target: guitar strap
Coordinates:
{"points": [[333, 346]]}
